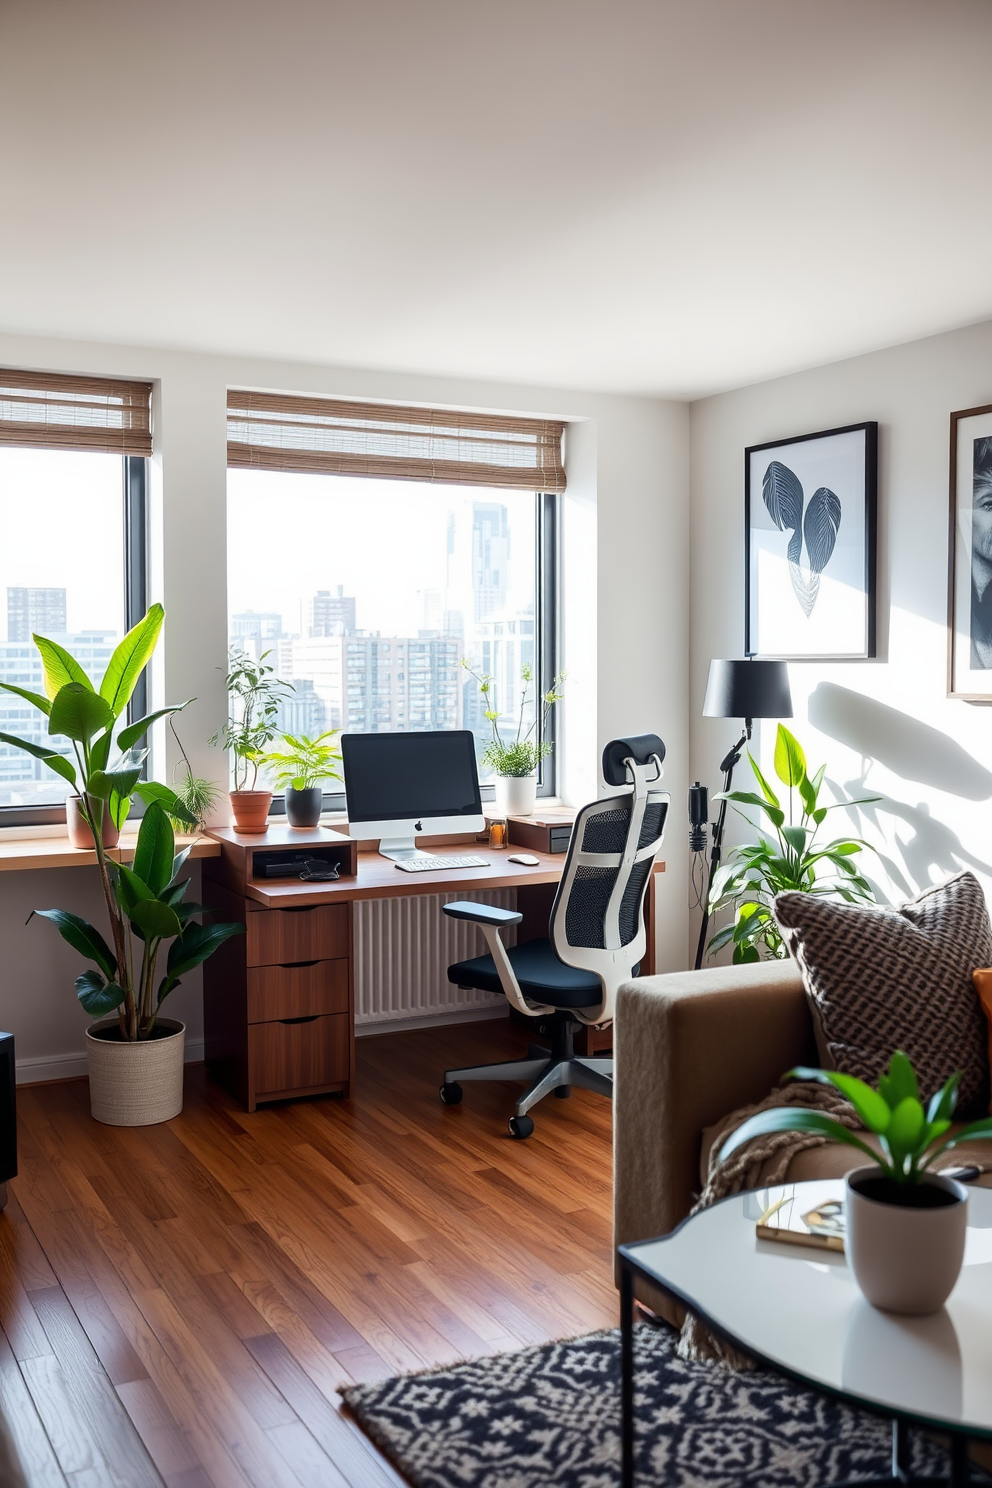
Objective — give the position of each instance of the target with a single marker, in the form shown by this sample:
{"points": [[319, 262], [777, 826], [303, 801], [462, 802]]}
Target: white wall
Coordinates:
{"points": [[624, 603], [885, 727]]}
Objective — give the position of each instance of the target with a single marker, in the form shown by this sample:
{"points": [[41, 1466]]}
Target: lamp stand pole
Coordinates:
{"points": [[727, 765]]}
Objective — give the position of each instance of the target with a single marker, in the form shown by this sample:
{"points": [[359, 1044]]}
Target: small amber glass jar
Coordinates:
{"points": [[498, 832]]}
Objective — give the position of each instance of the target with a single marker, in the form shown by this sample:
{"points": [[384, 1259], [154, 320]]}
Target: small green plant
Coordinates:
{"points": [[788, 858], [255, 693], [304, 762], [526, 751], [198, 795], [911, 1137]]}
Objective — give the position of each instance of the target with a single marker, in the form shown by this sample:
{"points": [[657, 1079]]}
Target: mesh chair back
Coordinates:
{"points": [[597, 920]]}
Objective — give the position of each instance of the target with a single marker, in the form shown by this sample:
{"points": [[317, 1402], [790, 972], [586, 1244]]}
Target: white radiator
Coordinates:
{"points": [[403, 948]]}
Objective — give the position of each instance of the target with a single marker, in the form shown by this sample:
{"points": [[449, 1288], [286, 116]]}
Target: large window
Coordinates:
{"points": [[368, 594], [72, 550]]}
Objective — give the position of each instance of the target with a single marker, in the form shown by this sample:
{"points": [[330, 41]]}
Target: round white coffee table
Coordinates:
{"points": [[799, 1311]]}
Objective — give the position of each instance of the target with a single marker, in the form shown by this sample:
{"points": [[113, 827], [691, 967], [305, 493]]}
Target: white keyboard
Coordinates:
{"points": [[430, 865]]}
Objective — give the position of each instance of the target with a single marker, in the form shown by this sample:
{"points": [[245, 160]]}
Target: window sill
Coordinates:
{"points": [[55, 850]]}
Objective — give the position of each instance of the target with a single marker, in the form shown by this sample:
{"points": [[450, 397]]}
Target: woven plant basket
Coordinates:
{"points": [[136, 1084]]}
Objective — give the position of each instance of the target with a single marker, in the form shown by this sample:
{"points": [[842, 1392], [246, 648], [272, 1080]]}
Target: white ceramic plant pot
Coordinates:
{"points": [[515, 794], [135, 1084], [905, 1260]]}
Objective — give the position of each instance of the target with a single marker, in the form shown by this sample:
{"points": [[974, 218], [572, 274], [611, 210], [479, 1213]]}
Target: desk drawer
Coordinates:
{"points": [[297, 991], [276, 936], [298, 1056]]}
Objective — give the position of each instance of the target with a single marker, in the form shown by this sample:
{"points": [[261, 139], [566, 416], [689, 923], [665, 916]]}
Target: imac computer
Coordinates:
{"points": [[399, 786]]}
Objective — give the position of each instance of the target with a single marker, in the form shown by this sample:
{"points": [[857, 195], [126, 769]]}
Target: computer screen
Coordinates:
{"points": [[397, 777]]}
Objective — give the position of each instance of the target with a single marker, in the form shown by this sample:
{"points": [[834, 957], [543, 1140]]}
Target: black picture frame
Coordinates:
{"points": [[969, 657], [783, 505]]}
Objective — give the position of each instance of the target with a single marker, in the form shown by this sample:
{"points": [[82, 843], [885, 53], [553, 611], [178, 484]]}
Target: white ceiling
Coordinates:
{"points": [[656, 196]]}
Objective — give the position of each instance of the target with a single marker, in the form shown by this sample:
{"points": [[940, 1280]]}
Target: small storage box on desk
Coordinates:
{"points": [[278, 1001]]}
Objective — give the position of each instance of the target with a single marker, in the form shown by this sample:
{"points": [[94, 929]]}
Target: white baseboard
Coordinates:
{"points": [[45, 1067], [432, 1020]]}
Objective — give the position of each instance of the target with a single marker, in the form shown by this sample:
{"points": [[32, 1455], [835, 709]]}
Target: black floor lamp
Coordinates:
{"points": [[748, 690]]}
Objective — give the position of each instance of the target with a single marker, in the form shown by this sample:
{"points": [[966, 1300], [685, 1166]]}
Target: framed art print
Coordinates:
{"points": [[809, 555], [969, 600]]}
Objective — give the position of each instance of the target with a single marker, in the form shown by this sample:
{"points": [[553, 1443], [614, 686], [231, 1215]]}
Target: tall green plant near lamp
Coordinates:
{"points": [[300, 769], [789, 857], [255, 693], [135, 1071], [514, 763]]}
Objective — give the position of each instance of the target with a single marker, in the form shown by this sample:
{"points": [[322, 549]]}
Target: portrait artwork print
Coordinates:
{"points": [[969, 617], [810, 546]]}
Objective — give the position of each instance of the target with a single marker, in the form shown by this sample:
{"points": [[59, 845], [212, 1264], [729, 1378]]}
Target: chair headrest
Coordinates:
{"points": [[640, 748]]}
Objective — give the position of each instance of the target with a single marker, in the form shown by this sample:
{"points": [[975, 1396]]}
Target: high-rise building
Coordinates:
{"points": [[490, 558], [331, 614], [373, 684], [303, 711], [503, 648], [35, 610]]}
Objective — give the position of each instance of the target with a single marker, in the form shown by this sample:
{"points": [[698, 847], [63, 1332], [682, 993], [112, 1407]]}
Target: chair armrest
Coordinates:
{"points": [[482, 914], [689, 1048]]}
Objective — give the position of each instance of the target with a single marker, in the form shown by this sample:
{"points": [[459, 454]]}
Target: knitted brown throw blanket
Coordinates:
{"points": [[745, 1169]]}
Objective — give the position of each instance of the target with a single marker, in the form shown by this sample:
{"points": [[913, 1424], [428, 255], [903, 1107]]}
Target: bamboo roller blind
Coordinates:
{"points": [[49, 411], [272, 431]]}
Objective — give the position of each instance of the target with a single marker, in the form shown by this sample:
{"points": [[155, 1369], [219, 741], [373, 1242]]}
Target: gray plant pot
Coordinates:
{"points": [[905, 1260], [303, 806]]}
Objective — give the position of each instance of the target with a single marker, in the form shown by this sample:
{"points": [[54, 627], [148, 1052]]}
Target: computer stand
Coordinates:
{"points": [[401, 849]]}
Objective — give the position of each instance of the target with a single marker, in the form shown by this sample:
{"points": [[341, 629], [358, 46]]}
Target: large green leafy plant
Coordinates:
{"points": [[789, 855], [522, 754], [910, 1135], [255, 694], [144, 901]]}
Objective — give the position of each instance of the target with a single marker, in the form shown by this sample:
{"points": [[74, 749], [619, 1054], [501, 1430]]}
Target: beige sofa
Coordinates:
{"points": [[689, 1048]]}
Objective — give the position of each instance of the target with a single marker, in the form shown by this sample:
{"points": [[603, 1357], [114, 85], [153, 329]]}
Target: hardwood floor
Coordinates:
{"points": [[180, 1302]]}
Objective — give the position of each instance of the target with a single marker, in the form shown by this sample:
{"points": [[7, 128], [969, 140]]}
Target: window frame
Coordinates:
{"points": [[547, 507], [134, 500]]}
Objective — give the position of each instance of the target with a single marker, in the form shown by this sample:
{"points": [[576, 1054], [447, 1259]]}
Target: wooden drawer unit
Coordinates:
{"points": [[300, 991], [277, 937], [299, 1056]]}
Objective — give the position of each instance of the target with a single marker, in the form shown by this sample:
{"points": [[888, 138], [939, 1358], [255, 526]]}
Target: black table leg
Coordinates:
{"points": [[626, 1376], [901, 1452]]}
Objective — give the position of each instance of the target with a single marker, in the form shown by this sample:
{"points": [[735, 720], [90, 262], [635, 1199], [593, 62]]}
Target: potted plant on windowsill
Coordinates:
{"points": [[905, 1224], [515, 763], [135, 1058], [300, 768], [255, 693]]}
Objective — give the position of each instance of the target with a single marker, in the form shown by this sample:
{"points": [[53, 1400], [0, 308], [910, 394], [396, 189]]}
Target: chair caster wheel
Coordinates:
{"points": [[520, 1127], [563, 1092], [451, 1095]]}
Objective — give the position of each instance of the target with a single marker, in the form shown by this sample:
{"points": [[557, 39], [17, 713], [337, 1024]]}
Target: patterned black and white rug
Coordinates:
{"points": [[549, 1417]]}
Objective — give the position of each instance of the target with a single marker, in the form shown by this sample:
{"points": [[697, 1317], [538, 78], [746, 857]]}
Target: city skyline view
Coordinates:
{"points": [[372, 632]]}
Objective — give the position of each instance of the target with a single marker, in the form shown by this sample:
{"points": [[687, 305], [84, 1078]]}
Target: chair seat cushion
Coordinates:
{"points": [[542, 977]]}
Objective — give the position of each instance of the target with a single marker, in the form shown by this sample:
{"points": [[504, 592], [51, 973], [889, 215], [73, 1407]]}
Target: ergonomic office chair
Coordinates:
{"points": [[597, 935]]}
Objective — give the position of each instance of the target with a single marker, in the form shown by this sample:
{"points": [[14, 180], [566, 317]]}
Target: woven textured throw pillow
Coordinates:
{"points": [[885, 977]]}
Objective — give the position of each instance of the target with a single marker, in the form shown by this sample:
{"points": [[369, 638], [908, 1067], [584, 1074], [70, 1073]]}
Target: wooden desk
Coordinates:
{"points": [[278, 1002]]}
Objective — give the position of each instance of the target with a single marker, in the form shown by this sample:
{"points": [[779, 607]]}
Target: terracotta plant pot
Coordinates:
{"points": [[516, 795], [80, 831], [905, 1259], [135, 1084], [303, 807], [251, 810]]}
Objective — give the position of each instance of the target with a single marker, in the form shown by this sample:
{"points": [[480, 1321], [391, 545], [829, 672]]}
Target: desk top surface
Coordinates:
{"points": [[379, 878]]}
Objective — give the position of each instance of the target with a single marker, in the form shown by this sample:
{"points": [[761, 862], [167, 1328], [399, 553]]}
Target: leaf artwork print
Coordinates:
{"points": [[817, 528]]}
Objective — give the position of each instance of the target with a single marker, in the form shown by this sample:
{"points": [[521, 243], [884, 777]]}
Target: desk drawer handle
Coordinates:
{"points": [[312, 1019], [289, 965], [298, 908]]}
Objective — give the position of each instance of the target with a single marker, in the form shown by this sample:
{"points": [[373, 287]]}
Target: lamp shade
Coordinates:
{"points": [[748, 689]]}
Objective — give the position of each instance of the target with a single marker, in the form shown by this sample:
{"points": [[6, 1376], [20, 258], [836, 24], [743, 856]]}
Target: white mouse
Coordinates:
{"points": [[528, 859]]}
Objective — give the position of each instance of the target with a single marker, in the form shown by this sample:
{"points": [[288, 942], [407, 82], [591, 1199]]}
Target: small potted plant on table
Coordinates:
{"points": [[299, 768], [905, 1224], [255, 694], [515, 763], [136, 1058]]}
